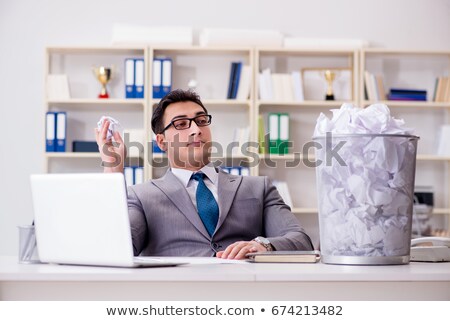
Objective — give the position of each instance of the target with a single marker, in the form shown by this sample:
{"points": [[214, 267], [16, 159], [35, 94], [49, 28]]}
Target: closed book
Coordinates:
{"points": [[79, 146], [284, 257], [231, 80], [407, 91]]}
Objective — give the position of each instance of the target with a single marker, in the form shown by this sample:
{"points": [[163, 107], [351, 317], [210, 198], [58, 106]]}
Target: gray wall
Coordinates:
{"points": [[28, 26]]}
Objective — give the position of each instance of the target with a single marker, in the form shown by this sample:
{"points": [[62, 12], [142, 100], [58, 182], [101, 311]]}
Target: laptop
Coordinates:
{"points": [[83, 219]]}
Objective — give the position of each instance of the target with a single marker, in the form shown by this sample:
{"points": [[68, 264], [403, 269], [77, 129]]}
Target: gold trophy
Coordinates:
{"points": [[330, 75], [103, 75]]}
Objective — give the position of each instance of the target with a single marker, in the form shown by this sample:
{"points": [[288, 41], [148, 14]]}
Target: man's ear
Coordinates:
{"points": [[161, 141]]}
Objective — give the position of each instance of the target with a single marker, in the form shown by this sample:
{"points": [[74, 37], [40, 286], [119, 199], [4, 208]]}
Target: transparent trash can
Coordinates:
{"points": [[365, 186]]}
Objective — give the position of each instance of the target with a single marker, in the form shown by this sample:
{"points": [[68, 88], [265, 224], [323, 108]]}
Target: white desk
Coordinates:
{"points": [[416, 281]]}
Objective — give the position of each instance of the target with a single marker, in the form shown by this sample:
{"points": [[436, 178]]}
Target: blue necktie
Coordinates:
{"points": [[206, 204]]}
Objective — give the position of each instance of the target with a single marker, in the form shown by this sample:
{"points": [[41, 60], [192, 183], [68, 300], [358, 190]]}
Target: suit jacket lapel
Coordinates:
{"points": [[227, 188], [176, 192]]}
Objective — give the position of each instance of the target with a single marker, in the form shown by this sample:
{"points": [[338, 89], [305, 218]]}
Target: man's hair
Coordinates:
{"points": [[175, 96]]}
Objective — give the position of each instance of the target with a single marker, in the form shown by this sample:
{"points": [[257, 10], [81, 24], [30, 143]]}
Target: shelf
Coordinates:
{"points": [[408, 104], [288, 157], [217, 102], [382, 51], [72, 155], [441, 211], [183, 50], [158, 156], [82, 102], [119, 50], [306, 210], [306, 51], [310, 103], [430, 157]]}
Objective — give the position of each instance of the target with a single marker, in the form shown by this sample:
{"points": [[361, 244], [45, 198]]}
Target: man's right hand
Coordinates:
{"points": [[112, 153]]}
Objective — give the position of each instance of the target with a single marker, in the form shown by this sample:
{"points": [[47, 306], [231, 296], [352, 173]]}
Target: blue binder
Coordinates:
{"points": [[130, 90], [50, 132], [61, 131], [157, 78], [139, 77], [166, 77]]}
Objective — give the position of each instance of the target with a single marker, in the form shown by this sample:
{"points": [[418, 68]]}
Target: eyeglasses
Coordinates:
{"points": [[185, 123]]}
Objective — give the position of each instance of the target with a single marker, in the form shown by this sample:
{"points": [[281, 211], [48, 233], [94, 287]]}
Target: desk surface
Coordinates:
{"points": [[236, 281]]}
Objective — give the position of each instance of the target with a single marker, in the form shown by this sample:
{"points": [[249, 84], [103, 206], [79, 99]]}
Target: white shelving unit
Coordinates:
{"points": [[417, 69], [210, 67]]}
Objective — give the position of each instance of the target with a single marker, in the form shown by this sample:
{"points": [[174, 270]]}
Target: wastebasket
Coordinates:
{"points": [[365, 186]]}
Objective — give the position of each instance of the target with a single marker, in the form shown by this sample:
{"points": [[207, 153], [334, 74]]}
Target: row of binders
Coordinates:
{"points": [[236, 170], [55, 131], [133, 175], [281, 87], [278, 126], [239, 81], [442, 90], [162, 77], [134, 78]]}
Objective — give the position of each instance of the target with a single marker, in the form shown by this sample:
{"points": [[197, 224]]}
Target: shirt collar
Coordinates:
{"points": [[184, 175]]}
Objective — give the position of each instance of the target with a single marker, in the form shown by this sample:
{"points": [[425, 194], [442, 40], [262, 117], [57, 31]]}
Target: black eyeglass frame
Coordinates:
{"points": [[209, 117]]}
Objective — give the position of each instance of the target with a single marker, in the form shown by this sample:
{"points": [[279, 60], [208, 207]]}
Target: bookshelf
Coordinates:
{"points": [[210, 67], [417, 69], [83, 108]]}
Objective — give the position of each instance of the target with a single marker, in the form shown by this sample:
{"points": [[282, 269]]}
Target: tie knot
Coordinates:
{"points": [[198, 176]]}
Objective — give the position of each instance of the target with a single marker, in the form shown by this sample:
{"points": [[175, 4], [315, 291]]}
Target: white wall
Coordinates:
{"points": [[28, 26]]}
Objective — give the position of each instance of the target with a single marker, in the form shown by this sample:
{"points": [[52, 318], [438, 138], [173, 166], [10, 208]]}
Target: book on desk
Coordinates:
{"points": [[284, 257]]}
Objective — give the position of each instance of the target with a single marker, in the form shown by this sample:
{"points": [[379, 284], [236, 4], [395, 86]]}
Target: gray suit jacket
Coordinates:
{"points": [[164, 221]]}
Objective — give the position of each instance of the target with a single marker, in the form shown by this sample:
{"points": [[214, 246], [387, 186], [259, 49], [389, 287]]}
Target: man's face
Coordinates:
{"points": [[186, 148]]}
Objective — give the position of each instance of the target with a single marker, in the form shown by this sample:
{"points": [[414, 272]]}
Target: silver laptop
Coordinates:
{"points": [[83, 219]]}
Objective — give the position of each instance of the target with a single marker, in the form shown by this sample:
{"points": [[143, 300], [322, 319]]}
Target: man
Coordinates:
{"points": [[195, 209]]}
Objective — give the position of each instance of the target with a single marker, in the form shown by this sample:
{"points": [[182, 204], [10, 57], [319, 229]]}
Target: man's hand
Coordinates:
{"points": [[112, 154], [238, 250]]}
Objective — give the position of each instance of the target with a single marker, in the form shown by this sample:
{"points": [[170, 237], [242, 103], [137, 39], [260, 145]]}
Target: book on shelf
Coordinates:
{"points": [[241, 137], [243, 90], [407, 94], [261, 136], [284, 257], [234, 79], [444, 141], [442, 90], [281, 86]]}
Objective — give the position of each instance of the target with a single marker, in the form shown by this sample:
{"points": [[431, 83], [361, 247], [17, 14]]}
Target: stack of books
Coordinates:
{"points": [[281, 87], [407, 94]]}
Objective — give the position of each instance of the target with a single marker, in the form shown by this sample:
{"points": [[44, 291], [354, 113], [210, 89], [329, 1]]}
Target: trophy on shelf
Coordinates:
{"points": [[103, 75], [330, 75]]}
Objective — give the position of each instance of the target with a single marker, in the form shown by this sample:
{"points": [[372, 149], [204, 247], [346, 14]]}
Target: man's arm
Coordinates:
{"points": [[138, 222], [282, 228]]}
